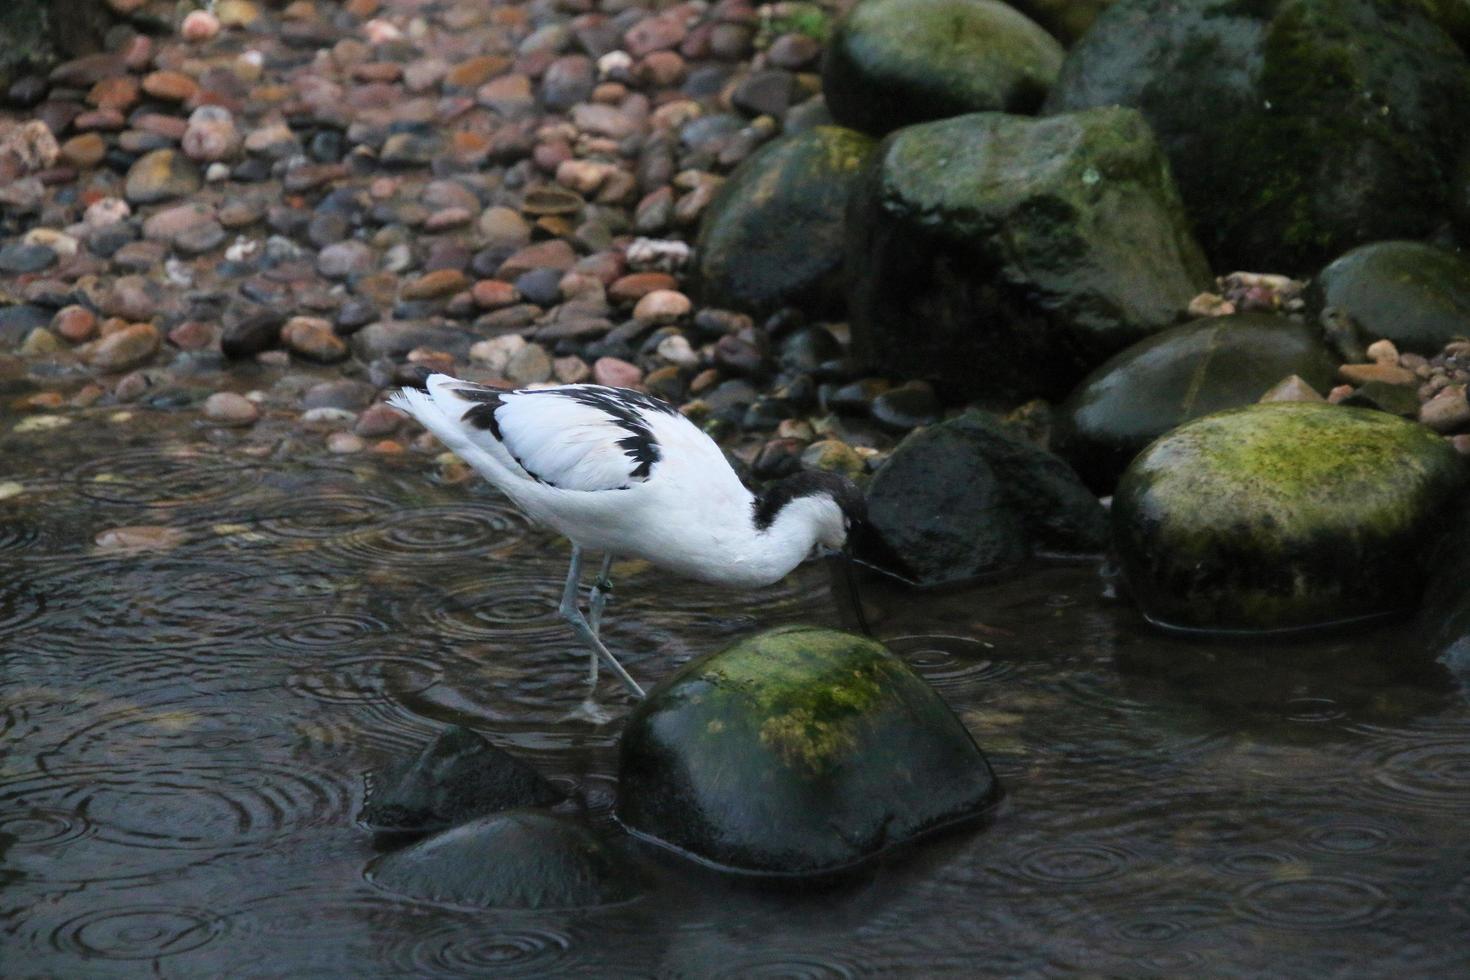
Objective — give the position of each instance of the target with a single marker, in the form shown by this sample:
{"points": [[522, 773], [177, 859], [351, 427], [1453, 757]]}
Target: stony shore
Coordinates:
{"points": [[275, 213]]}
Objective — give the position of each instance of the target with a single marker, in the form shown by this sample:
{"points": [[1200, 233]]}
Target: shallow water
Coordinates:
{"points": [[182, 735]]}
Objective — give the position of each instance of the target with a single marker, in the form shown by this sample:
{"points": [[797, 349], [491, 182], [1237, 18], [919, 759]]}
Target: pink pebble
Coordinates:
{"points": [[200, 25]]}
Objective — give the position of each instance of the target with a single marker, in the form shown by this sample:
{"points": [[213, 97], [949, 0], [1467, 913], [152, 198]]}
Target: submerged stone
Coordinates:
{"points": [[520, 859], [458, 776], [892, 63], [1057, 242], [798, 751], [967, 497], [773, 237], [1411, 293], [1283, 516], [1182, 373]]}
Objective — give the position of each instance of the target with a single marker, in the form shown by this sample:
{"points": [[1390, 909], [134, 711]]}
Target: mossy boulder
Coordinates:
{"points": [[1283, 516], [36, 33], [519, 859], [1297, 129], [798, 751], [1412, 293], [1180, 374], [1003, 256], [1066, 20], [893, 63], [773, 236], [968, 497]]}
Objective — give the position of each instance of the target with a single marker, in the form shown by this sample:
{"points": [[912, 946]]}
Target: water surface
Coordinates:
{"points": [[182, 734]]}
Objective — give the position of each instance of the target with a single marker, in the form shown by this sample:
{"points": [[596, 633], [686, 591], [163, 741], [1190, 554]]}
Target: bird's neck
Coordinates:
{"points": [[769, 553]]}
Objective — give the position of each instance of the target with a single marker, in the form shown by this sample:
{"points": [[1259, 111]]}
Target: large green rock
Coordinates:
{"points": [[519, 859], [773, 237], [1003, 256], [797, 751], [967, 497], [1297, 129], [1283, 516], [892, 63], [1180, 374], [1414, 294]]}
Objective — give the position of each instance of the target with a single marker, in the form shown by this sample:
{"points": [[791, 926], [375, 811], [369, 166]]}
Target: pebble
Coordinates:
{"points": [[436, 284], [345, 443], [833, 456], [378, 420], [1358, 374], [1292, 388], [161, 176], [229, 408], [529, 365], [126, 348], [76, 324], [1447, 411], [495, 353], [140, 537], [662, 306], [199, 26], [314, 339], [616, 373]]}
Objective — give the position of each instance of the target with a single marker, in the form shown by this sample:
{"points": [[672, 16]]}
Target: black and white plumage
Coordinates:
{"points": [[620, 472]]}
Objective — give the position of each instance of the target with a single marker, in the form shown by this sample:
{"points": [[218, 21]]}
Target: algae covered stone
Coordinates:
{"points": [[892, 63], [1003, 256], [796, 751], [1412, 293], [773, 237], [519, 859], [1297, 129], [1180, 374], [1282, 516]]}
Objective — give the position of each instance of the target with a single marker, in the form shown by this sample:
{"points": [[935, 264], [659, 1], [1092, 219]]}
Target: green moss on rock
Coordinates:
{"points": [[1297, 128], [773, 237], [1282, 516], [797, 751], [892, 63], [1003, 256]]}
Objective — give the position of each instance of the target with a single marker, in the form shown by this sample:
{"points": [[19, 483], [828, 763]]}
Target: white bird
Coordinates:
{"points": [[623, 473]]}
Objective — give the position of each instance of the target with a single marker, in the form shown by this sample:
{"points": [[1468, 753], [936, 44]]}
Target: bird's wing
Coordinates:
{"points": [[573, 437]]}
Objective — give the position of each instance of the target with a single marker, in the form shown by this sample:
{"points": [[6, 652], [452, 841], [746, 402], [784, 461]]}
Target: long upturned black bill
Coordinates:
{"points": [[845, 593]]}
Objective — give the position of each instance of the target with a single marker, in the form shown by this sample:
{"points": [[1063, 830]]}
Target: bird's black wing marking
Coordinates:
{"points": [[482, 416], [625, 409]]}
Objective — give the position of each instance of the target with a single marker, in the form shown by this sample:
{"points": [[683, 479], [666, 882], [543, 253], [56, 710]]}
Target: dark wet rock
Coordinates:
{"points": [[459, 776], [1179, 374], [161, 176], [773, 236], [1287, 515], [520, 859], [967, 497], [1296, 129], [1059, 242], [1411, 293], [892, 63], [252, 334], [764, 93], [1442, 625], [1400, 400], [796, 751], [906, 407]]}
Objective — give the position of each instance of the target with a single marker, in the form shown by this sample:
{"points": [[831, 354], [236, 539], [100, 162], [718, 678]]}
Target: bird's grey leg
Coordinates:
{"points": [[579, 624], [601, 586]]}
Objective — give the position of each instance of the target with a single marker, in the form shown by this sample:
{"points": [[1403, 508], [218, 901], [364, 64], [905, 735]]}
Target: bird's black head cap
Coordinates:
{"points": [[843, 492]]}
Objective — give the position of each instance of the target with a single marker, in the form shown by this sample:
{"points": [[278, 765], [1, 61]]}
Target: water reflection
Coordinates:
{"points": [[182, 735]]}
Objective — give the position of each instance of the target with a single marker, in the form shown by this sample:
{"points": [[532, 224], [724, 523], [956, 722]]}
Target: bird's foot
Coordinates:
{"points": [[590, 712]]}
